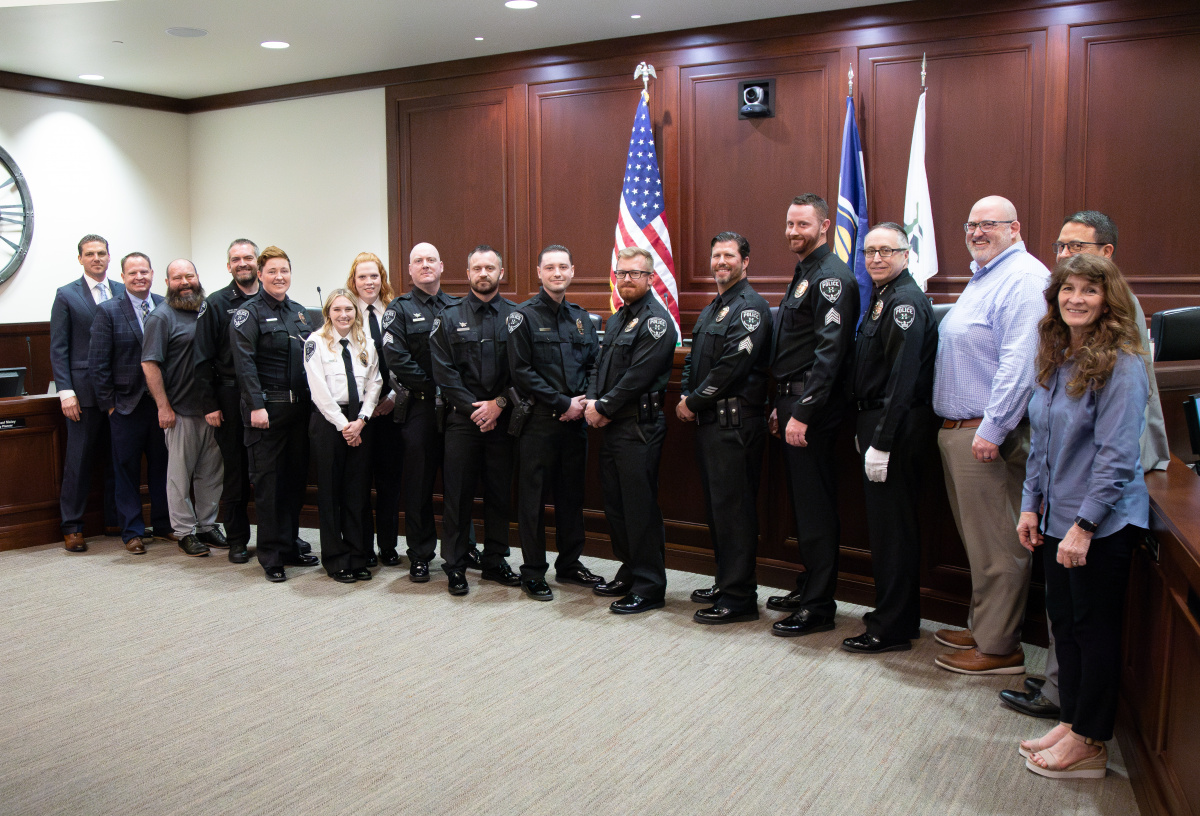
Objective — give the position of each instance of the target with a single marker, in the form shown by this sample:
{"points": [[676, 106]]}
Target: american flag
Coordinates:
{"points": [[641, 221]]}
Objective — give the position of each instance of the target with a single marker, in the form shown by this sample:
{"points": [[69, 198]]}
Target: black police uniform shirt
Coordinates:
{"points": [[168, 338], [731, 350], [407, 323], [894, 355], [214, 358], [814, 331], [470, 363], [267, 339], [636, 356], [551, 350]]}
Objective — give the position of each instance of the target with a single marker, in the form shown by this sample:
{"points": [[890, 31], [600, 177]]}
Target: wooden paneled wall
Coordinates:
{"points": [[1058, 106]]}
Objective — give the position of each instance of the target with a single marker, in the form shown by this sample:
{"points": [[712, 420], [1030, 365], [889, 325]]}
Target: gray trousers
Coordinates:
{"points": [[194, 464]]}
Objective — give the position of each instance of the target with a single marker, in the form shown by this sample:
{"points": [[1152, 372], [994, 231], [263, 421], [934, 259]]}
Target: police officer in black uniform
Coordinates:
{"points": [[469, 346], [407, 323], [813, 349], [552, 347], [625, 399], [893, 390], [217, 387], [267, 337], [724, 390]]}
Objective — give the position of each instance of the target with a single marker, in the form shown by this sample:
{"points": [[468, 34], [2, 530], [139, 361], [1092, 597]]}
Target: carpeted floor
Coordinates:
{"points": [[161, 684]]}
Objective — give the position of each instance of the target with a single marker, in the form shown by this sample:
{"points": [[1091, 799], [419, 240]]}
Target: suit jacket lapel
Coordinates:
{"points": [[127, 309], [85, 292]]}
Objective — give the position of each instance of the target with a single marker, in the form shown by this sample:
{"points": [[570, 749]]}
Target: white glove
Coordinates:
{"points": [[875, 464]]}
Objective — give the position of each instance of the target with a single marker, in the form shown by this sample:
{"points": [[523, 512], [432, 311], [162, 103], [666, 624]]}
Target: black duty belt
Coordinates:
{"points": [[729, 413], [280, 396], [228, 382], [869, 405], [793, 388]]}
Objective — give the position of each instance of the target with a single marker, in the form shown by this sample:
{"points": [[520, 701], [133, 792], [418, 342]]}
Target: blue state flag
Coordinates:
{"points": [[852, 225]]}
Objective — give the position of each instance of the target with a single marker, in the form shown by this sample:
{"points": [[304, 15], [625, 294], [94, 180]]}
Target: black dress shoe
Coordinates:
{"points": [[722, 614], [578, 574], [786, 603], [804, 622], [612, 589], [214, 538], [632, 604], [362, 574], [238, 555], [418, 571], [502, 574], [304, 547], [344, 576], [1033, 703], [456, 583], [538, 589], [474, 560], [1035, 683], [389, 558], [302, 561], [372, 561], [866, 643], [706, 596], [193, 546], [275, 574]]}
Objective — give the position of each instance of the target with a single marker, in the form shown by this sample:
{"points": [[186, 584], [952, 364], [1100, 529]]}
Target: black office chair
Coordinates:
{"points": [[939, 311], [1175, 334], [315, 318]]}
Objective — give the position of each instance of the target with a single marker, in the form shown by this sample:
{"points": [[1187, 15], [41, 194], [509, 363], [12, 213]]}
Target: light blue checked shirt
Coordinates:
{"points": [[987, 343]]}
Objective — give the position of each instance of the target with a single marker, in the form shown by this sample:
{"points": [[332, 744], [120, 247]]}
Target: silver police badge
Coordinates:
{"points": [[203, 308], [904, 315], [301, 317], [514, 320], [656, 326], [831, 288], [579, 325], [801, 288], [388, 317], [240, 317], [310, 348], [878, 310], [437, 321], [721, 314], [632, 324], [751, 319]]}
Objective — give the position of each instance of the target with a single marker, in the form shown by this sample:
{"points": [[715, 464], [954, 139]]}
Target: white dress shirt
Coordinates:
{"points": [[101, 291], [327, 376], [379, 306]]}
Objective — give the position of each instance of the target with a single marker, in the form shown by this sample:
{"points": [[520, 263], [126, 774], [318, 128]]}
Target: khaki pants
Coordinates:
{"points": [[194, 465], [986, 500]]}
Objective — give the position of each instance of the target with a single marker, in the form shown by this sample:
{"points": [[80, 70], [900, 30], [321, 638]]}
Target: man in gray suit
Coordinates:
{"points": [[115, 356], [87, 426]]}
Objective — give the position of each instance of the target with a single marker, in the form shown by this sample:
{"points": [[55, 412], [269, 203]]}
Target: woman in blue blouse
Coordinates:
{"points": [[1085, 502]]}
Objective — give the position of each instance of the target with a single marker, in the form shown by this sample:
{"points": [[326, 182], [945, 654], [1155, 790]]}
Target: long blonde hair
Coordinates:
{"points": [[356, 329], [385, 287]]}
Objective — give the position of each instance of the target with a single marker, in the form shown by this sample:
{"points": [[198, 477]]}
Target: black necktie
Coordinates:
{"points": [[375, 335], [351, 384], [487, 338], [570, 362]]}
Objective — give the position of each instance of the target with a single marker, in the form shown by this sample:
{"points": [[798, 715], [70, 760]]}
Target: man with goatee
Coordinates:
{"points": [[193, 456]]}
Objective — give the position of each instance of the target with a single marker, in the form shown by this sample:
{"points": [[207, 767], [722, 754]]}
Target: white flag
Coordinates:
{"points": [[918, 217]]}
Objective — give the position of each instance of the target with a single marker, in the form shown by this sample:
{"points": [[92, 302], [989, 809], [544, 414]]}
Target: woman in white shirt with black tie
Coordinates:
{"points": [[343, 376]]}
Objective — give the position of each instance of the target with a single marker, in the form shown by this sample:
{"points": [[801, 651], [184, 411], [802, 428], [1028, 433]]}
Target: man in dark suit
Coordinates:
{"points": [[115, 357], [87, 426]]}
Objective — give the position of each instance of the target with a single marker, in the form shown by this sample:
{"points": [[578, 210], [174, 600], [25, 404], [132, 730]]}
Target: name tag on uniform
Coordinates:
{"points": [[417, 318], [271, 320], [545, 328], [464, 328]]}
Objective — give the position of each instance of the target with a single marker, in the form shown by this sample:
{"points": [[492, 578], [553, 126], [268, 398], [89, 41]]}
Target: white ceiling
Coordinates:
{"points": [[126, 40]]}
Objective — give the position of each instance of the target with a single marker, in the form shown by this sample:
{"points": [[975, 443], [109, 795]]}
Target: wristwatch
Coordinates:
{"points": [[501, 402], [1085, 525], [363, 417]]}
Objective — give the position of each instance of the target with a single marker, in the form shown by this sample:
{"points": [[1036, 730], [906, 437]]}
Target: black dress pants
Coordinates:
{"points": [[629, 459], [812, 485], [87, 443], [421, 456], [895, 536], [731, 461], [386, 468], [553, 464], [470, 456], [279, 469], [343, 495], [235, 493], [135, 435], [1086, 606]]}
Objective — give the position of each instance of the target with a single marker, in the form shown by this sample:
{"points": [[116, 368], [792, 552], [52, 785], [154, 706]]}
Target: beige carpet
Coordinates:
{"points": [[161, 684]]}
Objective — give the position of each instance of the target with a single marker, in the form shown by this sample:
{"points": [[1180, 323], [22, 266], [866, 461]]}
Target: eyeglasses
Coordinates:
{"points": [[1074, 247], [883, 252], [621, 274], [984, 226]]}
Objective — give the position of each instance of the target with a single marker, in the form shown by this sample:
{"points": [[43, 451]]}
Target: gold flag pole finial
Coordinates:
{"points": [[922, 71], [645, 71], [850, 75]]}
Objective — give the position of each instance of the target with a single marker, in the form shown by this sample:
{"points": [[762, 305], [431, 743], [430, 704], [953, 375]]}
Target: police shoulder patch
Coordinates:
{"points": [[203, 308], [831, 289], [388, 317], [904, 315], [310, 348], [656, 326], [514, 320], [751, 319], [240, 317]]}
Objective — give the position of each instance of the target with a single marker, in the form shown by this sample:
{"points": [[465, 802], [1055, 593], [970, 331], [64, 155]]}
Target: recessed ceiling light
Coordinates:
{"points": [[521, 4], [479, 39], [635, 16], [183, 31], [274, 44], [91, 77]]}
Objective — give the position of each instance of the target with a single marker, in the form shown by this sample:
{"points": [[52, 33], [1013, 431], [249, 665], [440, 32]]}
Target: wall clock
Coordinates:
{"points": [[16, 217]]}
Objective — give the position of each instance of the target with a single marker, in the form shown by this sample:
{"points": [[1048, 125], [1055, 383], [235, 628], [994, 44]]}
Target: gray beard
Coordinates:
{"points": [[189, 302]]}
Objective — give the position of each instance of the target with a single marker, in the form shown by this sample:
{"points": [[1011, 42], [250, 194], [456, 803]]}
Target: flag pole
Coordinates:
{"points": [[850, 77], [922, 71]]}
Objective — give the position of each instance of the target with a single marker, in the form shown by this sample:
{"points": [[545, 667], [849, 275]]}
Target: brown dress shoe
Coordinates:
{"points": [[135, 546], [73, 542], [976, 662], [955, 638]]}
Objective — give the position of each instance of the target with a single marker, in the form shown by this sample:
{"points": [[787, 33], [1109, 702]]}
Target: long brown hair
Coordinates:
{"points": [[385, 287], [356, 329], [1115, 331]]}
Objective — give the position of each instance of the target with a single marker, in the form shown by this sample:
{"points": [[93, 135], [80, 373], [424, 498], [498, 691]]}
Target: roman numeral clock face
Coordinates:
{"points": [[16, 217]]}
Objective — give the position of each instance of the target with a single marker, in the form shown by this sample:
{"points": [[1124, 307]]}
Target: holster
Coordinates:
{"points": [[650, 406], [403, 398], [439, 412], [522, 410]]}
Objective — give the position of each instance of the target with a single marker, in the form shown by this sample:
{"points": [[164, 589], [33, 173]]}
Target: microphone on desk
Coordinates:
{"points": [[29, 349], [320, 300]]}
